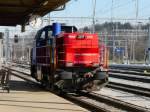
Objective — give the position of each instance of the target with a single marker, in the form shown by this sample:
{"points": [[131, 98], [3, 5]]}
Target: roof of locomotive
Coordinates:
{"points": [[67, 29]]}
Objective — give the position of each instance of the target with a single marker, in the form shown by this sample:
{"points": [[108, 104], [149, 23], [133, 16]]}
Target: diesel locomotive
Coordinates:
{"points": [[65, 59]]}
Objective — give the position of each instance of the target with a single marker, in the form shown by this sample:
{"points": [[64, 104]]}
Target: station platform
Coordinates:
{"points": [[28, 97]]}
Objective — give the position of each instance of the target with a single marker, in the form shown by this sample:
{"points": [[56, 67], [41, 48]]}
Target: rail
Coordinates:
{"points": [[101, 103], [129, 88]]}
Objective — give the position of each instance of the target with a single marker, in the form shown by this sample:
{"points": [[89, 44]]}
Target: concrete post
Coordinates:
{"points": [[1, 50], [149, 45], [23, 28]]}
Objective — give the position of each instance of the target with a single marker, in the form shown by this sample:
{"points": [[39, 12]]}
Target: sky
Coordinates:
{"points": [[121, 9], [118, 10]]}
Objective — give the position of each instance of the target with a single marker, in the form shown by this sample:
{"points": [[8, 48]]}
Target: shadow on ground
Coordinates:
{"points": [[24, 86]]}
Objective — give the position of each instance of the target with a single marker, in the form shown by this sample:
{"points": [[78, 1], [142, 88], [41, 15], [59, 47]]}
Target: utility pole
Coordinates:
{"points": [[93, 18], [149, 42], [113, 58], [49, 20], [136, 15], [7, 44], [1, 49], [126, 50], [23, 49]]}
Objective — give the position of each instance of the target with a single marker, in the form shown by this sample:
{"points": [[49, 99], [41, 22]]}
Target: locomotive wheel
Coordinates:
{"points": [[61, 92], [58, 91], [78, 91], [43, 85]]}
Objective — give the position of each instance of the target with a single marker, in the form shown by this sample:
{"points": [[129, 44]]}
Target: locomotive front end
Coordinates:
{"points": [[81, 61]]}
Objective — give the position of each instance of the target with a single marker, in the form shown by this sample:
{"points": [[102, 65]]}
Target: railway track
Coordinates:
{"points": [[98, 101], [131, 77], [118, 86], [81, 101], [129, 72], [117, 73], [21, 74], [95, 102], [132, 67], [129, 88], [101, 103]]}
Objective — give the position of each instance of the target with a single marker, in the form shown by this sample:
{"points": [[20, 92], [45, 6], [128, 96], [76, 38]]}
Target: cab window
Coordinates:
{"points": [[41, 40], [42, 36], [50, 33]]}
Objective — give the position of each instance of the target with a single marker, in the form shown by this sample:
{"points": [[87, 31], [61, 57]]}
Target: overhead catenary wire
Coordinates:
{"points": [[108, 10]]}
